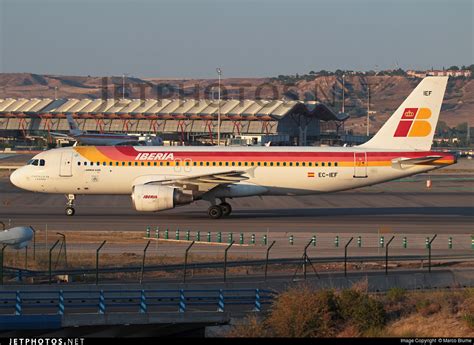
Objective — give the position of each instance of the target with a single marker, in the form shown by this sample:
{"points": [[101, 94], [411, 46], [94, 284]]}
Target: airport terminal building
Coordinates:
{"points": [[178, 120]]}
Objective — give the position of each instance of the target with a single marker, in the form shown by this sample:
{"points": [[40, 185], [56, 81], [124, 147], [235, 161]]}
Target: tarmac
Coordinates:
{"points": [[402, 206]]}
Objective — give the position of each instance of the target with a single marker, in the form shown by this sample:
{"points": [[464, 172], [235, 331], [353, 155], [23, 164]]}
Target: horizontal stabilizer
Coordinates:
{"points": [[401, 161]]}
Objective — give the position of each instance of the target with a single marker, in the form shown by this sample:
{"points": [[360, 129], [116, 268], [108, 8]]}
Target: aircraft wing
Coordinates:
{"points": [[415, 161], [201, 184]]}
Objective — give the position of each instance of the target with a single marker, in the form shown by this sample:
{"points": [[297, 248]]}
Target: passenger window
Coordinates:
{"points": [[149, 163], [98, 163], [85, 163], [207, 163], [239, 164], [226, 164], [329, 164], [136, 163], [291, 164], [194, 163], [310, 164], [316, 164], [79, 163], [252, 163], [201, 163], [129, 163], [297, 164], [284, 164], [246, 163], [265, 163], [154, 164], [323, 164], [233, 163], [271, 164], [258, 163], [220, 164], [104, 163], [214, 164], [336, 164], [167, 164], [303, 164], [278, 164], [142, 163]]}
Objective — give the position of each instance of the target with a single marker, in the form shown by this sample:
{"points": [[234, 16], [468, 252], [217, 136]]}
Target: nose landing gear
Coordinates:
{"points": [[70, 205]]}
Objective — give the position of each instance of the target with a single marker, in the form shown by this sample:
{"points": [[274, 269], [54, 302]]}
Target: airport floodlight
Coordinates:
{"points": [[219, 73]]}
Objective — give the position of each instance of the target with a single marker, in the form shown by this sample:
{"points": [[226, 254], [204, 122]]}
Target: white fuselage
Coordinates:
{"points": [[317, 170]]}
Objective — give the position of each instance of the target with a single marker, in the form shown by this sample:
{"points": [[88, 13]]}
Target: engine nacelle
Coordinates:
{"points": [[152, 198]]}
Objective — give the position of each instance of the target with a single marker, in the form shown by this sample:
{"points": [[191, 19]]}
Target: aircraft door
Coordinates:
{"points": [[360, 164], [65, 168]]}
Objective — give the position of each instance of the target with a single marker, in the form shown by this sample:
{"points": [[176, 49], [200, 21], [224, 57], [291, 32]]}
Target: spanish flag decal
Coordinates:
{"points": [[311, 174]]}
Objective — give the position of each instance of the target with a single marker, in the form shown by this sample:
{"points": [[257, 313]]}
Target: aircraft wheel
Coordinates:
{"points": [[215, 212], [226, 209], [70, 211]]}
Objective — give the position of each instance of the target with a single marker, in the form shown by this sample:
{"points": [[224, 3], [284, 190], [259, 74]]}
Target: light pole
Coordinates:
{"points": [[343, 91], [219, 73], [368, 108], [123, 85]]}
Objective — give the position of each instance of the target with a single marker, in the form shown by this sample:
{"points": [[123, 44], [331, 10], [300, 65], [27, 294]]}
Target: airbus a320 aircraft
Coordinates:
{"points": [[161, 178], [86, 138]]}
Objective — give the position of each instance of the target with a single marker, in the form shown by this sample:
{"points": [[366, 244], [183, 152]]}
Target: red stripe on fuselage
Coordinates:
{"points": [[129, 153]]}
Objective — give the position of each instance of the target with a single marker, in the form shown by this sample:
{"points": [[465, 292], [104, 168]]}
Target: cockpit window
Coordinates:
{"points": [[36, 162]]}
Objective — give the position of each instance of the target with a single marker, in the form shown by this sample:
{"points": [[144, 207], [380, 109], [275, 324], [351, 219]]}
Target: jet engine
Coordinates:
{"points": [[152, 198]]}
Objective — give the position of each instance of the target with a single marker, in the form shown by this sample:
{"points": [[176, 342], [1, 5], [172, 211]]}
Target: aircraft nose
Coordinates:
{"points": [[15, 178]]}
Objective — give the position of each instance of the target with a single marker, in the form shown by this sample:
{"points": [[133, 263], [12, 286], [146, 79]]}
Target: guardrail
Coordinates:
{"points": [[141, 301]]}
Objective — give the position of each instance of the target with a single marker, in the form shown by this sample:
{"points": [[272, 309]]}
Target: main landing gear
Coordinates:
{"points": [[217, 211], [70, 205]]}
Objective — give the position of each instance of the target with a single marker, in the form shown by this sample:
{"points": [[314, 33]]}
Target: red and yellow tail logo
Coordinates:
{"points": [[413, 123]]}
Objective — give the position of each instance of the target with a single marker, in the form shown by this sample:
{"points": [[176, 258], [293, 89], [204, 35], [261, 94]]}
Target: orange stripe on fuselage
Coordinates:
{"points": [[344, 159]]}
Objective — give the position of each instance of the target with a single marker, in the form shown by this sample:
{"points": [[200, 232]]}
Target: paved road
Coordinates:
{"points": [[404, 206]]}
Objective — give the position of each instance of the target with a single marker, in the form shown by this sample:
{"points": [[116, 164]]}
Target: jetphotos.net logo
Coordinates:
{"points": [[414, 123]]}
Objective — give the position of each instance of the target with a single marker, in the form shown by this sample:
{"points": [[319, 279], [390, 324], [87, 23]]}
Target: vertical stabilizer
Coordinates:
{"points": [[412, 126], [73, 129]]}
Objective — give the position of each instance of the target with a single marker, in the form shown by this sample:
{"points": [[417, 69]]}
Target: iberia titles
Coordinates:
{"points": [[155, 156]]}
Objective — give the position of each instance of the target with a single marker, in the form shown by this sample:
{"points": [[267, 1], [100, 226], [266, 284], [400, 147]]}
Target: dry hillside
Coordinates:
{"points": [[386, 92]]}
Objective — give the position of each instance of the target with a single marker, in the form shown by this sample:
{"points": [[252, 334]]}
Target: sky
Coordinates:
{"points": [[263, 38]]}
